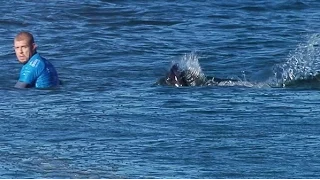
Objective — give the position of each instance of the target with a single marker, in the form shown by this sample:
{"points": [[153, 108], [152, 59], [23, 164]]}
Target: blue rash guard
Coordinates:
{"points": [[39, 72]]}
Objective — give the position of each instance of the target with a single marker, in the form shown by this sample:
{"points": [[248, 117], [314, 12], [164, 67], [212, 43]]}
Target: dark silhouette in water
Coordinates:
{"points": [[178, 77], [311, 81]]}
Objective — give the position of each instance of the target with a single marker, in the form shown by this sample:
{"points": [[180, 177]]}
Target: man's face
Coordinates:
{"points": [[24, 50]]}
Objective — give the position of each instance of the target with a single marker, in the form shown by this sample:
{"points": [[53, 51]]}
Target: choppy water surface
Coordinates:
{"points": [[110, 120]]}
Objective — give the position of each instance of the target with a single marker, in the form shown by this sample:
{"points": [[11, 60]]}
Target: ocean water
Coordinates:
{"points": [[110, 119]]}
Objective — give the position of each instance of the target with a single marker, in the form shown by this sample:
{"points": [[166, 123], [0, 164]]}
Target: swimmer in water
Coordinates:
{"points": [[36, 70]]}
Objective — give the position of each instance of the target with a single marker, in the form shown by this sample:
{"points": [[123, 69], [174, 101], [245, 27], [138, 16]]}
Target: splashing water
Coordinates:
{"points": [[190, 62], [303, 63]]}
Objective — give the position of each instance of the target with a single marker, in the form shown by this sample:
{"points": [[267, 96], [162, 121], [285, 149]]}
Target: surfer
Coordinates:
{"points": [[36, 70]]}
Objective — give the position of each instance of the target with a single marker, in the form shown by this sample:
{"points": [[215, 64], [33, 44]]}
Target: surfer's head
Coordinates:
{"points": [[24, 46]]}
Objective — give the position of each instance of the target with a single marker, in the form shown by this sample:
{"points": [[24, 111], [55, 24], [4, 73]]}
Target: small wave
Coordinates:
{"points": [[292, 5], [254, 8], [310, 82], [151, 23]]}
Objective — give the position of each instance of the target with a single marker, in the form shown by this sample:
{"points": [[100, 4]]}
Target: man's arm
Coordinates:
{"points": [[21, 85]]}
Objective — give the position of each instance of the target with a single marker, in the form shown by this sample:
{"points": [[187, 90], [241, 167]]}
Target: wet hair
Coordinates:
{"points": [[24, 35]]}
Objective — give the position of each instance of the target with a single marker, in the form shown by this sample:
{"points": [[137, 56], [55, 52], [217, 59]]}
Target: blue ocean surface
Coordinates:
{"points": [[110, 118]]}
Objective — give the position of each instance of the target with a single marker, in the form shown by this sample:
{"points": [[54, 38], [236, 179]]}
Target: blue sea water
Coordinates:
{"points": [[111, 120]]}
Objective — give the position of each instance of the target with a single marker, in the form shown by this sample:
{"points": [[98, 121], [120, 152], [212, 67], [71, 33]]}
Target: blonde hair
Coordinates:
{"points": [[24, 35]]}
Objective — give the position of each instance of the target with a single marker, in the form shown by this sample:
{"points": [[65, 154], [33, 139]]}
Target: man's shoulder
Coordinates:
{"points": [[36, 61]]}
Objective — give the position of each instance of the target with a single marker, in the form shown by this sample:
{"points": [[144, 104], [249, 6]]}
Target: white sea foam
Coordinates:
{"points": [[302, 63]]}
